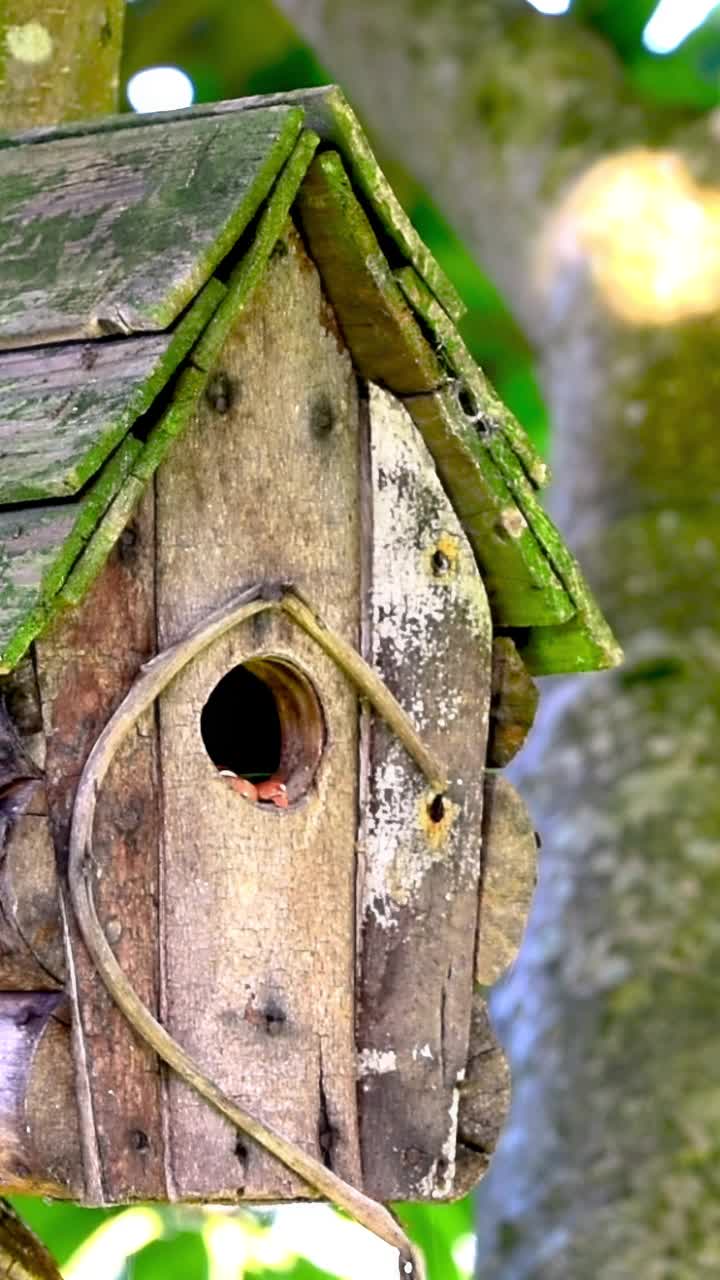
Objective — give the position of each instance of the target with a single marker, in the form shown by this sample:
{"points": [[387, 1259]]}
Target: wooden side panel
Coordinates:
{"points": [[86, 662], [430, 638], [258, 903]]}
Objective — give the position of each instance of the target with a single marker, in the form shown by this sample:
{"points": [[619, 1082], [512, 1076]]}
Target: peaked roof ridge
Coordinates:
{"points": [[69, 425]]}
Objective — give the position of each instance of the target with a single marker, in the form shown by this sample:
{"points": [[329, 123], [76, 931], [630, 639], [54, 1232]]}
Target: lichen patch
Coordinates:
{"points": [[30, 42]]}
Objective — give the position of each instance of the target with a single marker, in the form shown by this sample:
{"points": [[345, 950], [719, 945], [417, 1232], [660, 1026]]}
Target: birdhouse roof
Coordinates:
{"points": [[131, 245]]}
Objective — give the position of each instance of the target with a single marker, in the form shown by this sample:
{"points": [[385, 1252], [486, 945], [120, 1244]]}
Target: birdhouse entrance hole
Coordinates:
{"points": [[263, 720]]}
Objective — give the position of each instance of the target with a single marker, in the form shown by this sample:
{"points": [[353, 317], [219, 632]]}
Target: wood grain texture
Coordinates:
{"points": [[38, 546], [491, 414], [31, 945], [509, 863], [430, 638], [63, 409], [258, 904], [24, 1017], [86, 662], [513, 704], [509, 856], [31, 955], [329, 114], [376, 321], [131, 222]]}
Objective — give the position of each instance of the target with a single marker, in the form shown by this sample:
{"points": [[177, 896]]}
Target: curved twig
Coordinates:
{"points": [[153, 679]]}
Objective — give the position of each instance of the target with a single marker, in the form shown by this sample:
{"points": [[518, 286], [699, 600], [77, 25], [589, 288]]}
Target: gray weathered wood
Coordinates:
{"points": [[23, 1020], [64, 409], [508, 878], [257, 904], [430, 638], [328, 112], [38, 545], [86, 662], [115, 232]]}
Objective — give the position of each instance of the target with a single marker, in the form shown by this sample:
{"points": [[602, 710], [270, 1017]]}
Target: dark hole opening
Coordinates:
{"points": [[262, 721], [436, 808], [240, 726]]}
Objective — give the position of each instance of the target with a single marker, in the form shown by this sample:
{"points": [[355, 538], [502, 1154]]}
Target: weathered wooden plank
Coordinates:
{"points": [[258, 903], [389, 347], [513, 703], [523, 588], [378, 325], [86, 662], [31, 950], [39, 544], [24, 1017], [509, 855], [193, 380], [430, 639], [508, 879], [328, 112], [491, 414], [64, 409], [484, 1099], [115, 232]]}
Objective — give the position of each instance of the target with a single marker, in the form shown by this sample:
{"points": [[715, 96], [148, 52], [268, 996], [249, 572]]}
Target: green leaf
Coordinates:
{"points": [[184, 1255], [61, 1226], [437, 1228]]}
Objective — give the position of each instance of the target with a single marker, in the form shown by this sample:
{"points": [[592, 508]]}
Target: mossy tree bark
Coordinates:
{"points": [[569, 189], [58, 62]]}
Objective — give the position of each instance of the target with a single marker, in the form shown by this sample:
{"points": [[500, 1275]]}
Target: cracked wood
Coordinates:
{"points": [[258, 905], [429, 636]]}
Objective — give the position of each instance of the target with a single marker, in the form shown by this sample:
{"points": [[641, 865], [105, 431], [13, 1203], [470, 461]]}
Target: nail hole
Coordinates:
{"points": [[139, 1140], [436, 808], [467, 402], [220, 392], [322, 416], [274, 1019], [263, 723], [440, 562]]}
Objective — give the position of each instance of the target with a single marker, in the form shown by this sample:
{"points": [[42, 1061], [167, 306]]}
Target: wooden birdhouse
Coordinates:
{"points": [[265, 533]]}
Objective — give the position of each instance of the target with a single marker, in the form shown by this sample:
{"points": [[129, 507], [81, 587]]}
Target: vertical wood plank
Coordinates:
{"points": [[430, 639], [86, 663], [258, 903]]}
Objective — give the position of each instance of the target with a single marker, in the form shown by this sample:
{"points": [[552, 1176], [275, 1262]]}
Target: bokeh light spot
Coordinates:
{"points": [[673, 21], [160, 89], [646, 231], [551, 6]]}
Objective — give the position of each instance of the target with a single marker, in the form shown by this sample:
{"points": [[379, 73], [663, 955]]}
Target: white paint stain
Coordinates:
{"points": [[31, 42], [412, 518], [376, 1062]]}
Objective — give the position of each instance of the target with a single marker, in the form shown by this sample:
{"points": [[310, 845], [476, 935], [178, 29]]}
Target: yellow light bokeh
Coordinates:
{"points": [[647, 232]]}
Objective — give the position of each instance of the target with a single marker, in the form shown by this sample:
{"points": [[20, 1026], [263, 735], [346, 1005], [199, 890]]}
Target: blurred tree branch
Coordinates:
{"points": [[598, 216]]}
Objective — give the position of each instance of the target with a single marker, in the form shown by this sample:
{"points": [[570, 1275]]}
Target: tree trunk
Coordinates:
{"points": [[58, 62], [574, 195]]}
